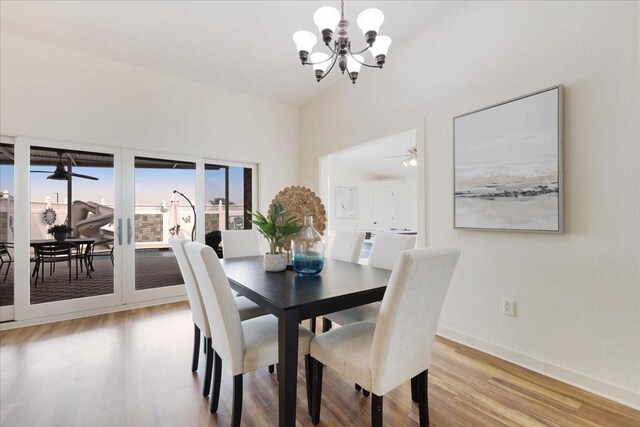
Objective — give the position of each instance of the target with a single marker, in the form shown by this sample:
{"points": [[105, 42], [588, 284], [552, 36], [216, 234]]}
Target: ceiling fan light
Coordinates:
{"points": [[413, 161], [405, 163], [60, 174], [326, 18]]}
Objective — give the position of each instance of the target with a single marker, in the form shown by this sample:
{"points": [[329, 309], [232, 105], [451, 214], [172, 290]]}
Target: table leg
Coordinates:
{"points": [[288, 367]]}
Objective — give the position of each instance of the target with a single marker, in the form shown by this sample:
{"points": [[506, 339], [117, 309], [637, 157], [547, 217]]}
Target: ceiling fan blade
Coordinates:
{"points": [[79, 175], [393, 157], [41, 171]]}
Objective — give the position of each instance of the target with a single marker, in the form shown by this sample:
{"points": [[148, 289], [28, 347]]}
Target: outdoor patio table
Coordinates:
{"points": [[292, 298], [80, 241]]}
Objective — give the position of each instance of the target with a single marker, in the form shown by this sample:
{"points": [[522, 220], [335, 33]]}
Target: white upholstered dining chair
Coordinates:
{"points": [[246, 310], [380, 356], [346, 245], [243, 346], [240, 243], [384, 252]]}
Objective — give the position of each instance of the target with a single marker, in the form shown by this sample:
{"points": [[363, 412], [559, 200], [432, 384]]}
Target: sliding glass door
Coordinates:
{"points": [[229, 199], [7, 234], [160, 204], [64, 247], [121, 208]]}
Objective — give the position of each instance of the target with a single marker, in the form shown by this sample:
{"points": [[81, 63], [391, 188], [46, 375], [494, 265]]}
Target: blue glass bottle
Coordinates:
{"points": [[307, 249]]}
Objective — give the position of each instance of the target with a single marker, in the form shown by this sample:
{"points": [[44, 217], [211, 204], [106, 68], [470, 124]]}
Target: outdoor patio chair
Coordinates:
{"points": [[97, 252], [5, 257], [53, 253]]}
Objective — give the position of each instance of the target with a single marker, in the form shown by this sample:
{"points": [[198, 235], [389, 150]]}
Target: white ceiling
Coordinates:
{"points": [[243, 46], [378, 158]]}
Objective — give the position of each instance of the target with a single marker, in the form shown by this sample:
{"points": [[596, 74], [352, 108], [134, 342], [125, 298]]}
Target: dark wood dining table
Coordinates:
{"points": [[292, 298]]}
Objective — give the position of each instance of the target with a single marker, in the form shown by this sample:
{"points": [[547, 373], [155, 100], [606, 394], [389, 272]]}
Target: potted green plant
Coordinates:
{"points": [[276, 226], [60, 231]]}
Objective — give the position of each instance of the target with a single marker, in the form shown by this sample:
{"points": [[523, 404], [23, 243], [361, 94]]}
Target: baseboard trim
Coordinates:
{"points": [[576, 379], [88, 313]]}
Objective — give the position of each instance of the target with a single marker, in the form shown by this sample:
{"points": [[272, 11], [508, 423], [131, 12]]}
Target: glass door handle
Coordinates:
{"points": [[129, 231], [119, 231]]}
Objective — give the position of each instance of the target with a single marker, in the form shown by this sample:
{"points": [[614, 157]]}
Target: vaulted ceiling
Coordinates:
{"points": [[244, 46]]}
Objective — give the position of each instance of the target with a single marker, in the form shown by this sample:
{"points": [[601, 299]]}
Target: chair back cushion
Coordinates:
{"points": [[220, 306], [409, 313], [347, 245], [193, 293], [386, 248], [240, 243]]}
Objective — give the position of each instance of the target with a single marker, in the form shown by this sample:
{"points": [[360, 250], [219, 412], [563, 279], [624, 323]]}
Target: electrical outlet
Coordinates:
{"points": [[509, 308]]}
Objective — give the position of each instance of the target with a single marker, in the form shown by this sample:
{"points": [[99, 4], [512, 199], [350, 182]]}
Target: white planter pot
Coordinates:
{"points": [[277, 262]]}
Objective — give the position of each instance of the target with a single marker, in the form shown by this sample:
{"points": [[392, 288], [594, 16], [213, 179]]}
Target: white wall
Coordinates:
{"points": [[578, 293], [50, 92]]}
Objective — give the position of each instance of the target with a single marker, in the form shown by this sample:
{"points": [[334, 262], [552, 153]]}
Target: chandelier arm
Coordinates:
{"points": [[358, 53], [361, 63], [333, 51], [321, 62], [330, 68]]}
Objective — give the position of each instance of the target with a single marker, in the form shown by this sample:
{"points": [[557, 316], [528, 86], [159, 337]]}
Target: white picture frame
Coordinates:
{"points": [[346, 203], [508, 165]]}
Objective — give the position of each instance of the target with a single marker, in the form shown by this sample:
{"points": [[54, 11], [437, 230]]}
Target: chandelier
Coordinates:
{"points": [[328, 20]]}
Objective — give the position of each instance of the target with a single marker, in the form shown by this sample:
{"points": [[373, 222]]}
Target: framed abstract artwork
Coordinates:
{"points": [[346, 203], [508, 165]]}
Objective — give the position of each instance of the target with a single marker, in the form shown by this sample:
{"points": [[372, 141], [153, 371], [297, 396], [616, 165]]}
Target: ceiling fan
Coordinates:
{"points": [[61, 174], [411, 159]]}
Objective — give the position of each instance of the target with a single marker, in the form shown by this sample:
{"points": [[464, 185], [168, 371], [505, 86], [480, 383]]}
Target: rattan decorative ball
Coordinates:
{"points": [[300, 202]]}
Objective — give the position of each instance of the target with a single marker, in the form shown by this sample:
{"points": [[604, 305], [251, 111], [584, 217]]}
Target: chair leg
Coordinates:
{"points": [[316, 393], [312, 324], [207, 372], [271, 369], [309, 380], [414, 389], [326, 324], [69, 264], [215, 385], [365, 392], [237, 401], [196, 348], [6, 273], [376, 411], [358, 388], [423, 396]]}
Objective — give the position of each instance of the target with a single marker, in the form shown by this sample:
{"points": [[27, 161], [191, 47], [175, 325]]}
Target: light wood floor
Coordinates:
{"points": [[133, 369]]}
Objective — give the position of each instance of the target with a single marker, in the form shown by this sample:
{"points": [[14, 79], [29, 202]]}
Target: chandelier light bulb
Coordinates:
{"points": [[369, 22], [354, 66], [320, 63], [326, 18], [305, 41], [381, 46]]}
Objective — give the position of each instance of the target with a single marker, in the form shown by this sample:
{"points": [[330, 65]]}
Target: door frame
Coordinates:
{"points": [[22, 183], [130, 294]]}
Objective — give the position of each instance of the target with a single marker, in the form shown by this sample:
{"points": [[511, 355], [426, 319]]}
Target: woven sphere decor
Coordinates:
{"points": [[300, 202]]}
